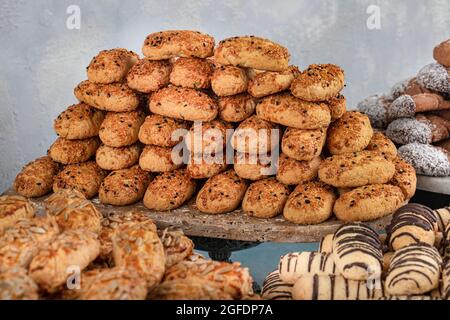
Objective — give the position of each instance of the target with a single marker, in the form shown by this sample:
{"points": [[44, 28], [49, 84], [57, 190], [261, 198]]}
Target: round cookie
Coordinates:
{"points": [[351, 133], [36, 178], [250, 167], [13, 208], [157, 130], [124, 187], [310, 203], [79, 121], [356, 169], [236, 108], [157, 159], [229, 80], [319, 82], [434, 77], [303, 145], [287, 110], [441, 53], [121, 129], [337, 106], [191, 73], [207, 136], [84, 177], [265, 198], [265, 83], [111, 66], [368, 202], [291, 171], [73, 151], [383, 145], [183, 103], [426, 159], [169, 191], [147, 76], [110, 158], [222, 193], [405, 177]]}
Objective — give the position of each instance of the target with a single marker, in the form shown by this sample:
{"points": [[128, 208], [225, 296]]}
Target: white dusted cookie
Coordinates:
{"points": [[158, 130], [111, 65], [228, 81], [303, 145], [267, 82], [191, 73], [292, 172], [73, 151], [111, 158], [13, 208], [236, 108], [169, 190], [157, 159], [79, 121], [427, 159], [147, 76], [17, 285], [121, 129], [36, 178]]}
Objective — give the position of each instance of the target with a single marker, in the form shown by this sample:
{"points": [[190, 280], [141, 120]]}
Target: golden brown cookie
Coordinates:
{"points": [[285, 109], [236, 108], [110, 158], [252, 52], [17, 285], [310, 203], [73, 151], [36, 178], [382, 144], [157, 159], [351, 133], [229, 80], [191, 73], [337, 106], [111, 65], [207, 136], [169, 191], [115, 97], [368, 202], [291, 171], [157, 130], [85, 177], [265, 83], [222, 193], [265, 198], [13, 208], [177, 246], [319, 82], [147, 76], [121, 129], [124, 187], [303, 145], [250, 167], [178, 43], [79, 121], [405, 177], [201, 168], [183, 103], [356, 169], [441, 53]]}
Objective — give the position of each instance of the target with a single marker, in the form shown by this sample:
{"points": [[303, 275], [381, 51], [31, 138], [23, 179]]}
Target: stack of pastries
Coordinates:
{"points": [[416, 115], [75, 252], [409, 262]]}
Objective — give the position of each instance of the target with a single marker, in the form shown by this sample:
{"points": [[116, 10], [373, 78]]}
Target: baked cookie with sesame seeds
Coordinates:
{"points": [[351, 133], [265, 198], [36, 178], [319, 82], [73, 151], [207, 137], [157, 130], [79, 121], [310, 203], [368, 202], [178, 43], [205, 168], [383, 145], [148, 76], [115, 97], [111, 66], [110, 158], [13, 208], [169, 191], [157, 159], [191, 73], [405, 177], [222, 193], [303, 145], [250, 167], [337, 106], [266, 83], [287, 110], [292, 172], [229, 80], [124, 187], [183, 103], [236, 108], [85, 177], [121, 129], [17, 285], [252, 52]]}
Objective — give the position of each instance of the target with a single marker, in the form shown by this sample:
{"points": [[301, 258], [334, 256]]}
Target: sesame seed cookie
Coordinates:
{"points": [[236, 108], [319, 82], [191, 73], [310, 203], [337, 106], [382, 144], [169, 191], [13, 208], [222, 193], [405, 177], [291, 171], [158, 130], [110, 158], [249, 167], [79, 121], [147, 76], [229, 80], [73, 151], [36, 178], [207, 136], [351, 133], [201, 169], [265, 83], [121, 129], [157, 159], [265, 198], [303, 145]]}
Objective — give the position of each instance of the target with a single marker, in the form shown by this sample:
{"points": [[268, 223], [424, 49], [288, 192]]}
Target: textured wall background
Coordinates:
{"points": [[41, 60]]}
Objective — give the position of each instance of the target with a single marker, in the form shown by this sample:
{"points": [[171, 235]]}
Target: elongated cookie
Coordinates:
{"points": [[17, 285], [236, 108], [177, 246], [251, 167], [446, 281], [13, 208], [303, 145], [121, 129], [426, 159], [326, 244], [73, 151], [191, 73], [201, 168], [207, 137], [266, 83], [441, 53], [442, 217], [276, 289], [228, 81], [158, 130], [111, 158], [434, 77], [337, 106], [157, 159], [382, 144], [147, 76], [404, 177], [293, 172]]}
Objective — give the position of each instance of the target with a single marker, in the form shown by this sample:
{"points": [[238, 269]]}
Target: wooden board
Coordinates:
{"points": [[234, 225]]}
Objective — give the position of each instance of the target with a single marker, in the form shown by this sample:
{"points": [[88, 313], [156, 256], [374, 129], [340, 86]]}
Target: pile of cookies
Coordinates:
{"points": [[416, 115], [411, 261], [74, 252]]}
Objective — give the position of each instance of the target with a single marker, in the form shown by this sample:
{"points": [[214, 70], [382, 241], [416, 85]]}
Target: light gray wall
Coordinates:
{"points": [[41, 60]]}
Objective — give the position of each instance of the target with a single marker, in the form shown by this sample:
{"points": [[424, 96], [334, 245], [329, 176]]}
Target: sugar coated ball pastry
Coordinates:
{"points": [[426, 159], [435, 77], [375, 107], [276, 289], [441, 53], [399, 89], [406, 106]]}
